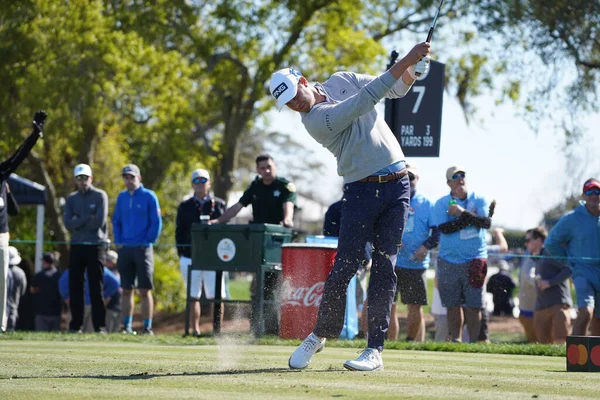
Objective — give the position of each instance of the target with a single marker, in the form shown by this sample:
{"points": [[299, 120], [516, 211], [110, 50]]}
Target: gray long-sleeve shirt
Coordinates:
{"points": [[557, 274], [348, 125], [85, 215]]}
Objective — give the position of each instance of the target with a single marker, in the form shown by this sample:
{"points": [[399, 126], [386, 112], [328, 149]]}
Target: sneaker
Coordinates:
{"points": [[101, 331], [301, 357], [128, 331], [369, 360], [148, 331]]}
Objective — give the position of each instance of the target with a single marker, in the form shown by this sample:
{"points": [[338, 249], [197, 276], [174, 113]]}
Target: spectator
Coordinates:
{"points": [[495, 252], [110, 287], [136, 225], [552, 316], [501, 285], [16, 288], [26, 320], [113, 303], [576, 238], [340, 114], [46, 300], [412, 262], [85, 215], [201, 204], [331, 222], [534, 243], [462, 261], [273, 199], [7, 167]]}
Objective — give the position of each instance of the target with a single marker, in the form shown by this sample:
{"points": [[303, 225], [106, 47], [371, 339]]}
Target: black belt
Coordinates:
{"points": [[394, 176]]}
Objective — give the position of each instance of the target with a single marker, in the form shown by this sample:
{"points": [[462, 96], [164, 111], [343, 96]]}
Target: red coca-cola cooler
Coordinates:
{"points": [[305, 267]]}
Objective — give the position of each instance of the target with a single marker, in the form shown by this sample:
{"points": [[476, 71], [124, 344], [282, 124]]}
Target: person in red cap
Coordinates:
{"points": [[576, 239]]}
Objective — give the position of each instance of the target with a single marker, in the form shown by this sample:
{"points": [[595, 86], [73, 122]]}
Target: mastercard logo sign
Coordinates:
{"points": [[577, 354]]}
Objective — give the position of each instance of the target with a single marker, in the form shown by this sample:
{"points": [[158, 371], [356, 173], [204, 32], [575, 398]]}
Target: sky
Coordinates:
{"points": [[504, 160]]}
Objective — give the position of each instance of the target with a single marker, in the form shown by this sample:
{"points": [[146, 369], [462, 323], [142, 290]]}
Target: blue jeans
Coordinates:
{"points": [[373, 212]]}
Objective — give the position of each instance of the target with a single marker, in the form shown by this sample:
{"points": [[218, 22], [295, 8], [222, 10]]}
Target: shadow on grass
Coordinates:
{"points": [[146, 375]]}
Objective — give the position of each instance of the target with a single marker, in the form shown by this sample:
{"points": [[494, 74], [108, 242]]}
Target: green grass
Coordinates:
{"points": [[235, 367], [239, 289]]}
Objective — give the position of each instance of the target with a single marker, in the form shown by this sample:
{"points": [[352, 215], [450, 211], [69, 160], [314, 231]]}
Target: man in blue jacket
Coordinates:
{"points": [[576, 238], [136, 225]]}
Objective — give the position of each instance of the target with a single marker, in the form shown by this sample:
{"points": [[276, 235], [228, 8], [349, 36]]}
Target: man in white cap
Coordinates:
{"points": [[340, 114], [463, 221], [200, 208], [85, 215]]}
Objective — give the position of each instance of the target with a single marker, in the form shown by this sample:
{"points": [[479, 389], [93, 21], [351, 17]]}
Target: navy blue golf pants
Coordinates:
{"points": [[374, 212]]}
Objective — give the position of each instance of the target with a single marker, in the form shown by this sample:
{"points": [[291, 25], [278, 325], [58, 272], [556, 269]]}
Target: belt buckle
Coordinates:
{"points": [[379, 178]]}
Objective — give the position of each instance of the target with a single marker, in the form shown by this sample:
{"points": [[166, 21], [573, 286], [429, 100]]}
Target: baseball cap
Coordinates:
{"points": [[412, 168], [49, 257], [452, 170], [284, 85], [591, 183], [112, 256], [200, 173], [14, 258], [131, 169], [82, 169]]}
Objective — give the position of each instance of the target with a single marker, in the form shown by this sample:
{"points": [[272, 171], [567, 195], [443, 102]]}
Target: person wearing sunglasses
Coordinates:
{"points": [[419, 237], [200, 207], [462, 218], [85, 217], [576, 240]]}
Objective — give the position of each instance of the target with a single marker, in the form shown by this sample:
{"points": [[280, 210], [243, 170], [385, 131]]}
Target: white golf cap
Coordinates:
{"points": [[200, 173], [82, 169], [284, 85]]}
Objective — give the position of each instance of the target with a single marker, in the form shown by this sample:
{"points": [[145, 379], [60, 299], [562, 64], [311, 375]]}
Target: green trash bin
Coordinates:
{"points": [[236, 248]]}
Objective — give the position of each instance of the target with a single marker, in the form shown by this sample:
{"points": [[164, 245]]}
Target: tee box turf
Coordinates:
{"points": [[583, 353]]}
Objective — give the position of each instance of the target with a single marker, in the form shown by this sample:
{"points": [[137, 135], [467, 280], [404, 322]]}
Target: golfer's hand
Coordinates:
{"points": [[422, 66], [417, 53]]}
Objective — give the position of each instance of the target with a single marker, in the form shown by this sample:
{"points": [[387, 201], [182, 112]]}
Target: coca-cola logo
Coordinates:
{"points": [[303, 296]]}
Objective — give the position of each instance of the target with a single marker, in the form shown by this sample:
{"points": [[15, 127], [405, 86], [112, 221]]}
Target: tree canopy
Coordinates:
{"points": [[172, 85]]}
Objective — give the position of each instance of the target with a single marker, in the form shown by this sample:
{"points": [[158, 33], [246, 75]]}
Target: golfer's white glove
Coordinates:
{"points": [[420, 68]]}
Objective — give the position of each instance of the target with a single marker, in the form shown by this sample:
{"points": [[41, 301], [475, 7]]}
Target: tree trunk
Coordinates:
{"points": [[53, 212]]}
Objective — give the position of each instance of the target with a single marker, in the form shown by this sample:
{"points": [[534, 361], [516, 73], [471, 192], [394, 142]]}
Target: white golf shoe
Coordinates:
{"points": [[369, 360], [301, 357]]}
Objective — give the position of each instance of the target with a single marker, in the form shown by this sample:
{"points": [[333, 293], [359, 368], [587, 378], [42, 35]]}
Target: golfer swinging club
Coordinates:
{"points": [[340, 114]]}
